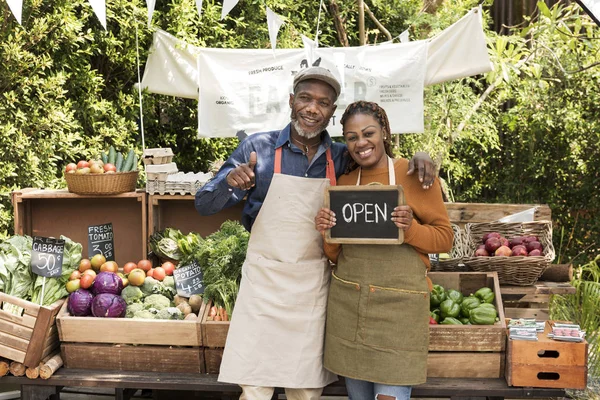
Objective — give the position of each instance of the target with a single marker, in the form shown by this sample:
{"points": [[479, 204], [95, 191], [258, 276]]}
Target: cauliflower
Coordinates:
{"points": [[143, 314], [169, 282], [157, 301], [132, 309], [168, 287], [151, 286], [169, 313], [132, 294]]}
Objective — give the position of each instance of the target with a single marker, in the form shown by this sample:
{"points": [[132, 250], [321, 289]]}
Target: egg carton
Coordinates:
{"points": [[160, 172], [165, 187], [158, 156]]}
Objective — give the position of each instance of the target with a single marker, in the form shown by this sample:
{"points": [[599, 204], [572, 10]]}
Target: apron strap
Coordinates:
{"points": [[330, 168], [391, 173]]}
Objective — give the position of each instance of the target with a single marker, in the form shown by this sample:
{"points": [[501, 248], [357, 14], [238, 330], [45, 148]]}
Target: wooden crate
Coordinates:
{"points": [[214, 333], [51, 213], [464, 213], [547, 363], [129, 330], [125, 357], [29, 337], [532, 301]]}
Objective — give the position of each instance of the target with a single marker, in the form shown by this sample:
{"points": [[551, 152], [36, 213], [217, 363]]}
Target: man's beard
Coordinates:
{"points": [[308, 134]]}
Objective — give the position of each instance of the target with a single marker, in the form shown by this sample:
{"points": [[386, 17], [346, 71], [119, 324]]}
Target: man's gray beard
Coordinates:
{"points": [[305, 134]]}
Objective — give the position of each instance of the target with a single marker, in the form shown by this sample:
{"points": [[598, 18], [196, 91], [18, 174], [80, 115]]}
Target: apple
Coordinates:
{"points": [[535, 252], [109, 167], [481, 246], [504, 241], [519, 250], [83, 171], [70, 168], [531, 238], [516, 241], [83, 164], [96, 168], [490, 235], [503, 251], [492, 244], [481, 253], [534, 245]]}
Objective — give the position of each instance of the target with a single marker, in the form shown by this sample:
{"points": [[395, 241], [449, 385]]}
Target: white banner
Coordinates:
{"points": [[99, 7], [249, 89], [16, 7]]}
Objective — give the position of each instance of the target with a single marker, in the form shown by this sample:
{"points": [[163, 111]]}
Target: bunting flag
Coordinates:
{"points": [[150, 5], [309, 49], [227, 6], [199, 7], [404, 37], [99, 7], [274, 22], [16, 6]]}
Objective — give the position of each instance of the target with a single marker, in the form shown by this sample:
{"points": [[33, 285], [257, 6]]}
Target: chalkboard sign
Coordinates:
{"points": [[101, 241], [47, 256], [364, 214], [188, 280]]}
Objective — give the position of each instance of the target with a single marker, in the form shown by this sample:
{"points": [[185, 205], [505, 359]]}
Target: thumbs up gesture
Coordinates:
{"points": [[242, 176]]}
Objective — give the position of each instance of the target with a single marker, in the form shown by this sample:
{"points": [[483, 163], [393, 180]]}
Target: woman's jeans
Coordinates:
{"points": [[363, 390]]}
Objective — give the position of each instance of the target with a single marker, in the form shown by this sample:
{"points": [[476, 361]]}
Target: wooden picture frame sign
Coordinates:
{"points": [[364, 214]]}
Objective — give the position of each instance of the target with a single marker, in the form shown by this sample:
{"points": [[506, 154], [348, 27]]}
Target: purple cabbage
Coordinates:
{"points": [[108, 305], [107, 282], [79, 303]]}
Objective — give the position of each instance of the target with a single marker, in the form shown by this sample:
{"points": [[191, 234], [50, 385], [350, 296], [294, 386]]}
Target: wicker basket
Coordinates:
{"points": [[517, 270], [99, 184], [454, 263]]}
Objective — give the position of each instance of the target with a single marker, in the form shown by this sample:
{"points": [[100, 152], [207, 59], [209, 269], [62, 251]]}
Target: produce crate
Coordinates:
{"points": [[547, 363], [29, 337], [513, 270], [468, 351], [51, 213], [214, 333], [128, 344], [454, 263]]}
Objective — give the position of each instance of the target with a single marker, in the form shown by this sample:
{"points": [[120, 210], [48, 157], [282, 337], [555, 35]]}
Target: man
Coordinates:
{"points": [[277, 328]]}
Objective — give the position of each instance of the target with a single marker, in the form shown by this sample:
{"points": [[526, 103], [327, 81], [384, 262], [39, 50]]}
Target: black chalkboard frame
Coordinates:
{"points": [[364, 188]]}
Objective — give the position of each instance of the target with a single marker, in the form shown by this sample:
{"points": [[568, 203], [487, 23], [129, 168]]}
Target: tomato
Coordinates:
{"points": [[128, 267], [90, 272], [84, 264], [73, 285], [159, 273], [136, 277], [109, 266], [97, 261], [109, 167], [144, 265], [169, 267], [75, 275], [70, 168], [83, 164], [150, 273], [86, 281]]}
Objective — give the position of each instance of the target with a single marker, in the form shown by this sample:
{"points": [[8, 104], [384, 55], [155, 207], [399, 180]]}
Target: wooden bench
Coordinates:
{"points": [[163, 385]]}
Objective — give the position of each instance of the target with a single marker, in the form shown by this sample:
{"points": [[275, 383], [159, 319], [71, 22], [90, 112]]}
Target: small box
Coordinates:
{"points": [[158, 156], [160, 171], [547, 363]]}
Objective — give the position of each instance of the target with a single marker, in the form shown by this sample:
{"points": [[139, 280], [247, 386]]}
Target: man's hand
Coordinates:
{"points": [[424, 163], [242, 176]]}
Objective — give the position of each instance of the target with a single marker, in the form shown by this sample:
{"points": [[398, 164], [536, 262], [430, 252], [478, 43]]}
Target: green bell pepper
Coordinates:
{"points": [[468, 304], [435, 314], [449, 308], [464, 321], [485, 294], [450, 321], [454, 295], [483, 315], [437, 295]]}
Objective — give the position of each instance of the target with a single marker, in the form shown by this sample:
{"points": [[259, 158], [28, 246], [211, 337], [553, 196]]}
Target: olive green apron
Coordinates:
{"points": [[377, 326]]}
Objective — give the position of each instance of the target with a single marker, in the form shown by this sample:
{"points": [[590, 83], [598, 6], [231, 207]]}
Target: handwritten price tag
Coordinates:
{"points": [[47, 256], [189, 280]]}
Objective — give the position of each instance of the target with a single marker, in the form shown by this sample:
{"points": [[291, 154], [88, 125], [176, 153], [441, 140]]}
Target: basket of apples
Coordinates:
{"points": [[518, 251], [103, 177]]}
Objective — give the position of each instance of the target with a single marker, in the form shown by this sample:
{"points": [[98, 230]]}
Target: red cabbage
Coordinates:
{"points": [[108, 305], [107, 282], [79, 303]]}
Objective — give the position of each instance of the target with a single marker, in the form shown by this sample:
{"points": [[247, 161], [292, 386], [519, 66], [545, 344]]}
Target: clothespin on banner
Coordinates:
{"points": [[16, 7]]}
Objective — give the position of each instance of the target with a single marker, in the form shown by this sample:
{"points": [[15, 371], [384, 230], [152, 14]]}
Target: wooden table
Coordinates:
{"points": [[163, 385]]}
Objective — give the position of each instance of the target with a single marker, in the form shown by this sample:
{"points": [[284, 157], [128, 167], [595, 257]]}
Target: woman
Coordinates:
{"points": [[377, 331]]}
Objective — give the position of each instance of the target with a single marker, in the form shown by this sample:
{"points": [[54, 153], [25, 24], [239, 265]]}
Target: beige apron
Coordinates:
{"points": [[378, 314], [277, 327]]}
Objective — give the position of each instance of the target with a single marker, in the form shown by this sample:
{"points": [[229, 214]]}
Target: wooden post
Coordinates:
{"points": [[558, 273], [17, 368], [51, 366], [361, 22], [4, 365]]}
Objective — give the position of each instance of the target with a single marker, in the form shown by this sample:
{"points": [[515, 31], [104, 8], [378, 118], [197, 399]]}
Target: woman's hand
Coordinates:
{"points": [[325, 219], [402, 216], [422, 163]]}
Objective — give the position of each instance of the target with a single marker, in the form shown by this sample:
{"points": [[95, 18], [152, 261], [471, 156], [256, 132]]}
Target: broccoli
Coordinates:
{"points": [[132, 309], [132, 294], [169, 282], [143, 314], [151, 286], [169, 313], [168, 287], [157, 301]]}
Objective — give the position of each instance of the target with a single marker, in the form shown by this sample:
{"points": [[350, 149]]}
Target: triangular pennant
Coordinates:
{"points": [[274, 22], [309, 48], [340, 61], [150, 5], [228, 6], [16, 6], [199, 7], [99, 7], [404, 37]]}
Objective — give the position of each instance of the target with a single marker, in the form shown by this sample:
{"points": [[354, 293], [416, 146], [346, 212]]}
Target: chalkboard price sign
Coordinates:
{"points": [[188, 279], [101, 241], [364, 214], [47, 256]]}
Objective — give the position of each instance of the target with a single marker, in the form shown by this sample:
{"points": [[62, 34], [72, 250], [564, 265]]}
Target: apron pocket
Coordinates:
{"points": [[342, 309], [397, 319]]}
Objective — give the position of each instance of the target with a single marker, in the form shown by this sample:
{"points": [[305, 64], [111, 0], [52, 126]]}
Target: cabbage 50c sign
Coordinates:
{"points": [[47, 256]]}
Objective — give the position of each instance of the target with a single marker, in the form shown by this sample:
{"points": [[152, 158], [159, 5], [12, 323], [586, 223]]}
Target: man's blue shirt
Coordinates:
{"points": [[217, 194]]}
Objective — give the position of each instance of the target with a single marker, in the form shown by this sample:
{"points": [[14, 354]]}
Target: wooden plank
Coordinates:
{"points": [[35, 193], [13, 341], [540, 287], [463, 213], [465, 365], [212, 359], [11, 353], [214, 333], [572, 377], [43, 322], [25, 320], [535, 298], [537, 313], [133, 358], [17, 330]]}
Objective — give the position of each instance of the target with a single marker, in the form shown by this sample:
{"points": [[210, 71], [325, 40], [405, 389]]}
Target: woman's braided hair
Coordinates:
{"points": [[377, 112]]}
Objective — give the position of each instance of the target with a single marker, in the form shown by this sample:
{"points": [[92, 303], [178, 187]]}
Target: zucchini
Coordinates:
{"points": [[104, 157], [128, 162], [112, 155], [119, 162]]}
